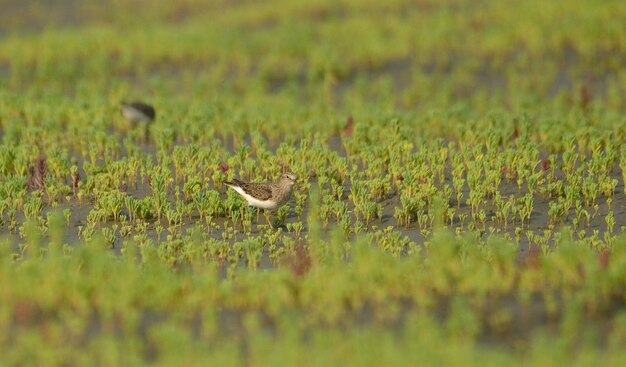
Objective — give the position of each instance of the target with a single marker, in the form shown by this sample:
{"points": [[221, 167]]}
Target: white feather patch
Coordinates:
{"points": [[252, 201], [134, 116]]}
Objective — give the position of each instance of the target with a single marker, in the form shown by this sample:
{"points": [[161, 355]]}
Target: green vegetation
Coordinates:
{"points": [[461, 196]]}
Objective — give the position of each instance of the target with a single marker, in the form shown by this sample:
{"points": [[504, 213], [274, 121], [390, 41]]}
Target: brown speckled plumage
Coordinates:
{"points": [[267, 195], [261, 191]]}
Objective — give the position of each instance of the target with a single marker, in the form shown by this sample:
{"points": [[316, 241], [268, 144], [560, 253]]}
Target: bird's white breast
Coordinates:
{"points": [[134, 115], [252, 201]]}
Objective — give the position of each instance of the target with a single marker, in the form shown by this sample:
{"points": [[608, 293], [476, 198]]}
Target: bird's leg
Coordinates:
{"points": [[145, 134], [243, 219], [267, 218]]}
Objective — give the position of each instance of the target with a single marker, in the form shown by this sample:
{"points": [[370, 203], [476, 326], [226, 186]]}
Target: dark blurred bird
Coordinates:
{"points": [[137, 112]]}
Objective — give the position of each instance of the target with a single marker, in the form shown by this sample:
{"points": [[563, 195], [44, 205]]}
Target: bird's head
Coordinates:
{"points": [[289, 178]]}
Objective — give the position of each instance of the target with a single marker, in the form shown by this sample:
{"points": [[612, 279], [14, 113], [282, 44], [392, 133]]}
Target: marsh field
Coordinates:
{"points": [[460, 197]]}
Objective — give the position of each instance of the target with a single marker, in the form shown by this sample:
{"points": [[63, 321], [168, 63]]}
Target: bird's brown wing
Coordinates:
{"points": [[257, 190]]}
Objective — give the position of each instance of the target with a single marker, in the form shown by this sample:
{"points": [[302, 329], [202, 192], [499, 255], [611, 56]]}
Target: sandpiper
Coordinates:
{"points": [[136, 112], [268, 196]]}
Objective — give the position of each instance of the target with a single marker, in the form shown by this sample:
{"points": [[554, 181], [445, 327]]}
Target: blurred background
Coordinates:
{"points": [[323, 54]]}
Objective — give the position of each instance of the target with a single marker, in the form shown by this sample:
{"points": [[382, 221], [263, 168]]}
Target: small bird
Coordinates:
{"points": [[269, 196], [136, 112]]}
